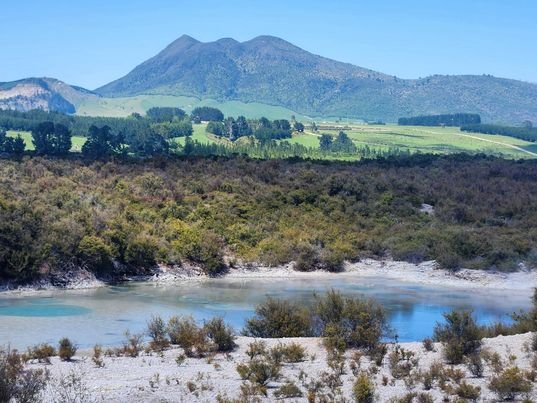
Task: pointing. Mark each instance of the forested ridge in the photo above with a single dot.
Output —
(125, 216)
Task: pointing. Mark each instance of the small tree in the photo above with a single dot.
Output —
(325, 142)
(363, 389)
(220, 334)
(460, 334)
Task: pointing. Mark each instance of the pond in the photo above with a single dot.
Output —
(103, 315)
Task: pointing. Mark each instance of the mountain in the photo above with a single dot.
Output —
(48, 94)
(272, 71)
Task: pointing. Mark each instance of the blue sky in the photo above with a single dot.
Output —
(90, 43)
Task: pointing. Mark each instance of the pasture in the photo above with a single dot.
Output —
(422, 139)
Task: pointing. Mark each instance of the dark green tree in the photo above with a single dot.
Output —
(208, 114)
(299, 127)
(42, 138)
(62, 140)
(165, 114)
(51, 139)
(325, 142)
(101, 143)
(343, 144)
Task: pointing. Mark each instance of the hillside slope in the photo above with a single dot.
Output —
(48, 94)
(272, 71)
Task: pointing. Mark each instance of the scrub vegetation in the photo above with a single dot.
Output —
(125, 217)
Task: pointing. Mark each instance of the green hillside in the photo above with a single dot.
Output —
(271, 71)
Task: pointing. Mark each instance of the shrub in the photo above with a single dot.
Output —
(460, 334)
(510, 383)
(97, 357)
(474, 363)
(41, 352)
(276, 318)
(287, 391)
(359, 321)
(363, 389)
(428, 344)
(256, 348)
(185, 333)
(66, 349)
(17, 383)
(467, 391)
(141, 252)
(292, 352)
(94, 252)
(220, 334)
(260, 371)
(132, 345)
(156, 329)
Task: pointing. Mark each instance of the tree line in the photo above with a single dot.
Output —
(262, 129)
(455, 119)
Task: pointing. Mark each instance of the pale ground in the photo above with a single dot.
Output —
(154, 378)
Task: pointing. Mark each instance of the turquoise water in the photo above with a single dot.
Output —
(102, 315)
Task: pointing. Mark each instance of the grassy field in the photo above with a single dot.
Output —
(415, 138)
(120, 107)
(78, 141)
(428, 140)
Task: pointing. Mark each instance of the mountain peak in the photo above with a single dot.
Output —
(270, 70)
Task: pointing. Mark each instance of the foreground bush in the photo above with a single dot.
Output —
(363, 389)
(359, 322)
(16, 382)
(156, 329)
(220, 334)
(344, 321)
(279, 318)
(66, 349)
(41, 352)
(510, 383)
(460, 334)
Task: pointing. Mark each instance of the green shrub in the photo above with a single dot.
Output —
(141, 252)
(220, 334)
(279, 318)
(288, 390)
(363, 389)
(188, 335)
(292, 352)
(66, 349)
(510, 383)
(256, 348)
(156, 329)
(360, 322)
(466, 391)
(94, 252)
(460, 334)
(260, 371)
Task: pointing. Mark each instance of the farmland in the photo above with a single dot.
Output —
(421, 139)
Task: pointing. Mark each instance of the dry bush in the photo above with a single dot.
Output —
(66, 349)
(510, 383)
(17, 383)
(41, 352)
